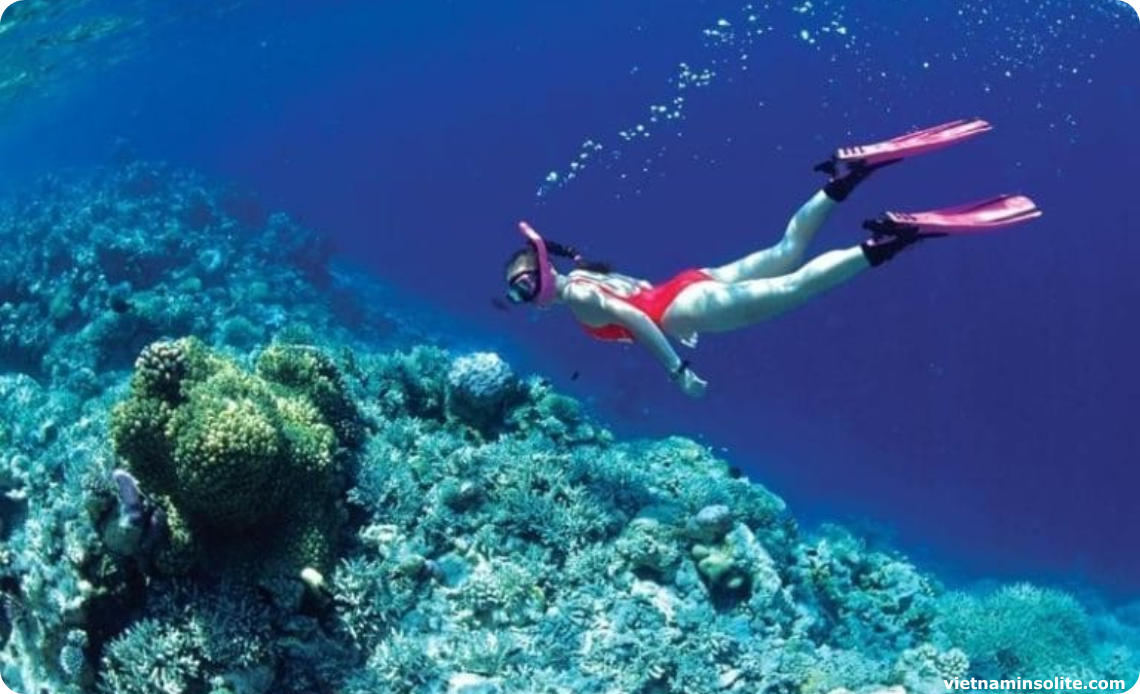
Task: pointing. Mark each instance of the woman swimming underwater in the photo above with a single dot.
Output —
(612, 306)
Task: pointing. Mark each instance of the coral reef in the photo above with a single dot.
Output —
(95, 269)
(274, 502)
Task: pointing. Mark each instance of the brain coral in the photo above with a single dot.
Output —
(480, 388)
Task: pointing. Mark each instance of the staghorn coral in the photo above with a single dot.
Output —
(398, 665)
(1019, 630)
(150, 657)
(551, 414)
(192, 637)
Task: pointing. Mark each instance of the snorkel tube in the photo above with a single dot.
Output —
(546, 283)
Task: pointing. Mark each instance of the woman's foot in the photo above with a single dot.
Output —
(845, 176)
(889, 238)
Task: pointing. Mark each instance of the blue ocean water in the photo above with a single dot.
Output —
(975, 398)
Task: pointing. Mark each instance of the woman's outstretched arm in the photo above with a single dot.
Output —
(648, 334)
(603, 308)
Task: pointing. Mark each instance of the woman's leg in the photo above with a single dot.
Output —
(715, 307)
(786, 255)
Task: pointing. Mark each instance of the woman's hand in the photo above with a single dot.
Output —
(691, 384)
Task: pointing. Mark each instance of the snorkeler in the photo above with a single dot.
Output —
(612, 306)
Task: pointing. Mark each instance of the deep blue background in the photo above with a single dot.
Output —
(976, 397)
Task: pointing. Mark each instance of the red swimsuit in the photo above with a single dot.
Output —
(653, 302)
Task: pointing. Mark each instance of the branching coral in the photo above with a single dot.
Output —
(188, 637)
(398, 665)
(1019, 630)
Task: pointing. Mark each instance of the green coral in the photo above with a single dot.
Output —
(313, 373)
(235, 458)
(718, 565)
(737, 567)
(161, 368)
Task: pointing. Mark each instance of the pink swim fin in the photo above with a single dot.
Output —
(994, 213)
(912, 144)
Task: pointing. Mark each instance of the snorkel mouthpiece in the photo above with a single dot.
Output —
(546, 284)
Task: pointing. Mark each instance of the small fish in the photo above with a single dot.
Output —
(574, 376)
(498, 303)
(119, 304)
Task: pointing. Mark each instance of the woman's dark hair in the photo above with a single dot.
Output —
(561, 251)
(580, 262)
(527, 251)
